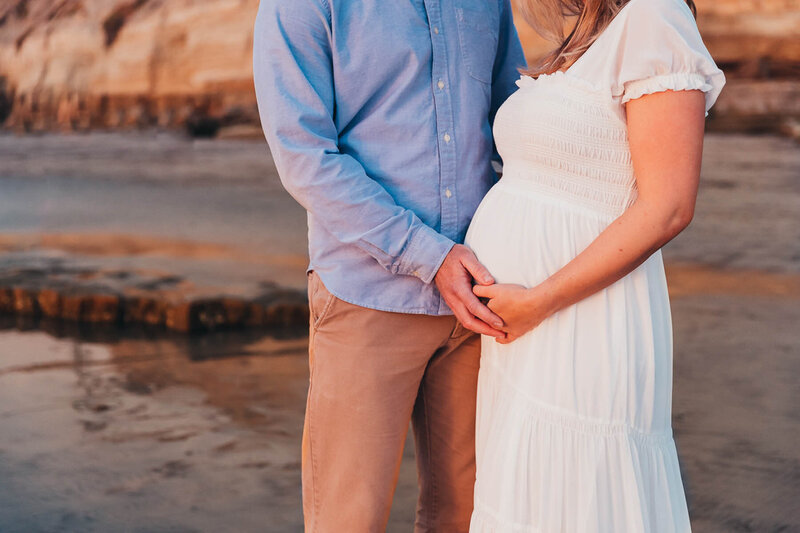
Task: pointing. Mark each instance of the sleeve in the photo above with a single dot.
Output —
(293, 76)
(510, 58)
(661, 50)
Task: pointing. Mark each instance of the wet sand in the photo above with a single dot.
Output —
(149, 435)
(141, 431)
(156, 435)
(202, 434)
(144, 201)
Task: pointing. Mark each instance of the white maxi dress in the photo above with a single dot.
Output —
(573, 429)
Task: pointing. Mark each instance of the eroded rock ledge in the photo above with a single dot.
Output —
(55, 289)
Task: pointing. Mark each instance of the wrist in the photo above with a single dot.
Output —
(442, 260)
(543, 298)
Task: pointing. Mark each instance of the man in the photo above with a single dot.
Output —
(378, 114)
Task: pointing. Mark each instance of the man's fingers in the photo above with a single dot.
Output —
(476, 269)
(476, 308)
(471, 323)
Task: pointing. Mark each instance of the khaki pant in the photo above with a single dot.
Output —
(372, 372)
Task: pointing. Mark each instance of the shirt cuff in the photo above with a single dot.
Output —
(425, 254)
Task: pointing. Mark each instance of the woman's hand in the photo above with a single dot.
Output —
(521, 309)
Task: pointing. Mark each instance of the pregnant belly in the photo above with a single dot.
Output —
(524, 239)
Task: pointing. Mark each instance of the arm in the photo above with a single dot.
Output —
(665, 131)
(293, 74)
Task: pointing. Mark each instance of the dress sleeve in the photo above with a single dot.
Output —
(660, 49)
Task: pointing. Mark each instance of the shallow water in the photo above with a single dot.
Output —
(161, 186)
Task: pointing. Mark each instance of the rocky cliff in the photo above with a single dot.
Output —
(79, 64)
(82, 64)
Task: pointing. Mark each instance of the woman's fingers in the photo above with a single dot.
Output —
(509, 338)
(484, 291)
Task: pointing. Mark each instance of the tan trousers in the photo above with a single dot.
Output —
(372, 372)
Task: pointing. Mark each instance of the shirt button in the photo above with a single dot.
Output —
(440, 84)
(436, 30)
(446, 137)
(416, 273)
(448, 193)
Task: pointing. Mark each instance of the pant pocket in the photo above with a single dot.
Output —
(320, 299)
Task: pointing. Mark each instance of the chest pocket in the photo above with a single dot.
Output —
(477, 35)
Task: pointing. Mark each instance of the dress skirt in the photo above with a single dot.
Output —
(573, 428)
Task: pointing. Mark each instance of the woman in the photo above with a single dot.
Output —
(601, 148)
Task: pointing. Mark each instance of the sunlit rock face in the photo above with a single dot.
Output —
(81, 64)
(757, 43)
(77, 64)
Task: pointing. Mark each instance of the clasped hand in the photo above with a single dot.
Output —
(521, 309)
(512, 310)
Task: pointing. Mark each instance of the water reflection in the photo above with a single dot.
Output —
(134, 434)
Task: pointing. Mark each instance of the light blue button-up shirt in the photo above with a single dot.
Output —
(379, 117)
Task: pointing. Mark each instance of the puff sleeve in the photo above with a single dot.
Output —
(660, 49)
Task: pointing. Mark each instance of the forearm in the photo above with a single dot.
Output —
(615, 253)
(358, 211)
(666, 137)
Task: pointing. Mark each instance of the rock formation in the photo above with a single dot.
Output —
(81, 64)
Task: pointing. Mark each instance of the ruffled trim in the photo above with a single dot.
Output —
(678, 81)
(528, 81)
(559, 75)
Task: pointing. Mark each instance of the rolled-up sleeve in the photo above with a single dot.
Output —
(293, 75)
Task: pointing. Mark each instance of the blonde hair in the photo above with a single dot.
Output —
(549, 18)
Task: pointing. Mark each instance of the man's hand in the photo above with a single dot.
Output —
(454, 281)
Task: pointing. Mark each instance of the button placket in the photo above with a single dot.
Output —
(444, 121)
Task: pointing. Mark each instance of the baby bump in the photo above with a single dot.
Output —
(495, 237)
(523, 240)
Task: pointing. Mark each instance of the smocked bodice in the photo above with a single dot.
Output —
(565, 141)
(564, 135)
